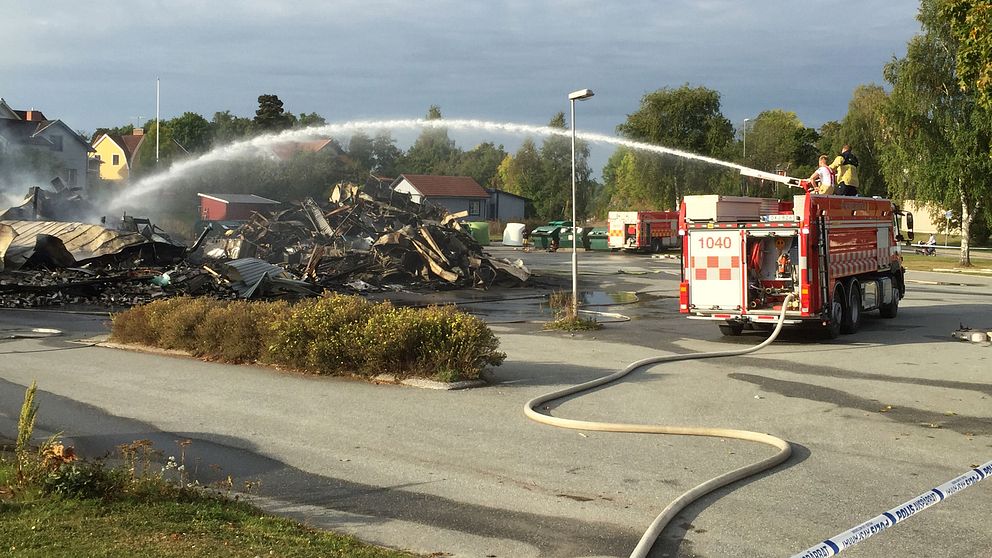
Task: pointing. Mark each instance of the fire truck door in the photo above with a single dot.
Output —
(716, 269)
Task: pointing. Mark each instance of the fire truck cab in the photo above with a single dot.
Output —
(840, 256)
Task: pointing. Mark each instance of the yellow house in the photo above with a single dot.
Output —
(117, 154)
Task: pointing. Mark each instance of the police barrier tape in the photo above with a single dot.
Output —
(877, 524)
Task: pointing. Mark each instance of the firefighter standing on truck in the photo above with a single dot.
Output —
(846, 167)
(823, 177)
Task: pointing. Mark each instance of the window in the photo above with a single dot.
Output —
(117, 160)
(57, 143)
(474, 207)
(71, 175)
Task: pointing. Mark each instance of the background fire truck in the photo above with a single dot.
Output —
(839, 256)
(646, 231)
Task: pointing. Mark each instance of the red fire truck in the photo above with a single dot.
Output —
(839, 256)
(645, 231)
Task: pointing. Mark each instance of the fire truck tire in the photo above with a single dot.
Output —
(731, 330)
(889, 310)
(854, 310)
(838, 313)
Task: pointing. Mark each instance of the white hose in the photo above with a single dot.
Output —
(658, 525)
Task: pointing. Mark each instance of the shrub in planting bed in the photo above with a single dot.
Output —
(335, 334)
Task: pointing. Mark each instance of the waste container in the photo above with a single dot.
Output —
(513, 234)
(479, 231)
(599, 239)
(541, 236)
(583, 239)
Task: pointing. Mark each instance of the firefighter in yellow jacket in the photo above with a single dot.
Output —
(846, 167)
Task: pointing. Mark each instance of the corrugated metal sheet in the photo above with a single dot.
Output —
(82, 240)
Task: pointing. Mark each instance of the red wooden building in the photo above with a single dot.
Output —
(232, 207)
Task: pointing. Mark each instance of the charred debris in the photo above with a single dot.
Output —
(363, 239)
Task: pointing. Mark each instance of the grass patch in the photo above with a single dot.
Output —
(53, 504)
(565, 320)
(919, 262)
(111, 514)
(333, 335)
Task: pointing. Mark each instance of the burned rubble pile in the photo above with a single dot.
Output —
(365, 239)
(368, 238)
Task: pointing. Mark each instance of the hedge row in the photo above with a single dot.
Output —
(336, 334)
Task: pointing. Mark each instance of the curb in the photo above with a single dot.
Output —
(101, 341)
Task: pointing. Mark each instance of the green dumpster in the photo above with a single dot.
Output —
(479, 231)
(599, 239)
(541, 236)
(583, 239)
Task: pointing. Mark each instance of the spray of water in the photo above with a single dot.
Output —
(262, 147)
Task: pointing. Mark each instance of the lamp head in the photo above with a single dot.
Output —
(580, 94)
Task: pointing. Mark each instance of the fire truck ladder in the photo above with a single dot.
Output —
(822, 254)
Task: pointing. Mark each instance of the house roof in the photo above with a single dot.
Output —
(22, 132)
(433, 186)
(131, 144)
(505, 193)
(237, 198)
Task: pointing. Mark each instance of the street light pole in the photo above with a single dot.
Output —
(579, 95)
(744, 159)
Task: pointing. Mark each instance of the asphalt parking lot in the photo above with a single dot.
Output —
(875, 419)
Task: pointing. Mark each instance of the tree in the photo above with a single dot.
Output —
(313, 119)
(971, 27)
(938, 135)
(270, 116)
(862, 130)
(385, 154)
(360, 151)
(227, 128)
(482, 164)
(520, 173)
(553, 198)
(433, 152)
(192, 131)
(118, 131)
(687, 118)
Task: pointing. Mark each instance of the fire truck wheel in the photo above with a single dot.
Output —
(837, 313)
(852, 316)
(731, 329)
(890, 309)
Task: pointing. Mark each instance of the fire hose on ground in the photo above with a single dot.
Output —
(829, 547)
(658, 525)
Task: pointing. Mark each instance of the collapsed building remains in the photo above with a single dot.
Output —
(363, 239)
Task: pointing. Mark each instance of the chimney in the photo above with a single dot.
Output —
(33, 115)
(138, 132)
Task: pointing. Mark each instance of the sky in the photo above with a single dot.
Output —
(94, 64)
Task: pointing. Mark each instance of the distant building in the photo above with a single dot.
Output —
(232, 207)
(116, 154)
(30, 129)
(506, 207)
(454, 193)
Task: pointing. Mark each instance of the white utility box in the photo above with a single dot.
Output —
(722, 208)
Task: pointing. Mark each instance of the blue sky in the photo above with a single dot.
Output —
(95, 63)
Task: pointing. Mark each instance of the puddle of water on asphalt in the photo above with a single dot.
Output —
(607, 298)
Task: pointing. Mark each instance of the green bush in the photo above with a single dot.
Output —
(335, 334)
(84, 479)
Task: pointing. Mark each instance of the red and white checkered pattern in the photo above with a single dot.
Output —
(715, 268)
(852, 263)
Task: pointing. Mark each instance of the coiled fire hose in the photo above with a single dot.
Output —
(658, 525)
